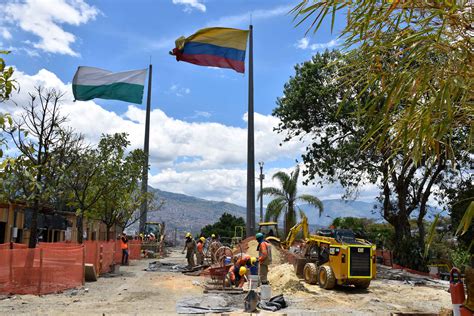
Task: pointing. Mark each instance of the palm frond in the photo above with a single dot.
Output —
(283, 177)
(292, 185)
(274, 209)
(466, 220)
(429, 239)
(312, 200)
(270, 191)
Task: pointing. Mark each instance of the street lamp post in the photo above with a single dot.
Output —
(262, 176)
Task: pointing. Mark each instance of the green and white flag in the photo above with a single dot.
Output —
(90, 83)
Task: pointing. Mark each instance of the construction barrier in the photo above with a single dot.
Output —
(134, 250)
(41, 270)
(385, 255)
(55, 267)
(13, 245)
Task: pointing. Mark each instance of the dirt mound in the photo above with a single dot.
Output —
(283, 279)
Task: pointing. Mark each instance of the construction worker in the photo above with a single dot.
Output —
(190, 247)
(200, 251)
(245, 261)
(264, 257)
(124, 247)
(236, 276)
(215, 244)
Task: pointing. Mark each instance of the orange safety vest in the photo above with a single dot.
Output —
(123, 244)
(264, 253)
(200, 247)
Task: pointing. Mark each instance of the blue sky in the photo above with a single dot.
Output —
(198, 120)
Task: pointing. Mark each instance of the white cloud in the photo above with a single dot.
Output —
(179, 91)
(204, 159)
(190, 5)
(304, 44)
(44, 19)
(244, 19)
(202, 114)
(5, 33)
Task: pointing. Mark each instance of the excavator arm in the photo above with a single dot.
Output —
(303, 225)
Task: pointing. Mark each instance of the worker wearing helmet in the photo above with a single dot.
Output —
(200, 251)
(213, 247)
(244, 260)
(190, 247)
(237, 276)
(264, 257)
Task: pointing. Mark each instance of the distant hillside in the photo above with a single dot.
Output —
(340, 208)
(188, 213)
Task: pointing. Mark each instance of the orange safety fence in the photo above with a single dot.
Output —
(108, 252)
(134, 250)
(54, 267)
(386, 256)
(41, 270)
(13, 246)
(92, 255)
(57, 245)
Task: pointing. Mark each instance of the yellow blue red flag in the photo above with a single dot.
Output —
(216, 47)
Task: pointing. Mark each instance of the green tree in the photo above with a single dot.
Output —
(380, 234)
(429, 68)
(460, 198)
(7, 84)
(224, 227)
(83, 185)
(286, 197)
(314, 108)
(119, 176)
(38, 135)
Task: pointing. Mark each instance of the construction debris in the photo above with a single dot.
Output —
(212, 303)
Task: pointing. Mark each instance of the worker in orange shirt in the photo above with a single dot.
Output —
(264, 257)
(200, 251)
(244, 260)
(124, 246)
(236, 276)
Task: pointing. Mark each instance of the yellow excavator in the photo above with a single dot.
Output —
(333, 256)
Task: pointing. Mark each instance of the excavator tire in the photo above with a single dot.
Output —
(326, 278)
(362, 284)
(310, 273)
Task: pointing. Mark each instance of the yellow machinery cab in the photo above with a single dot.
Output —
(270, 230)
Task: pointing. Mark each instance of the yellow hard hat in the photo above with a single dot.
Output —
(188, 235)
(242, 271)
(202, 239)
(213, 236)
(253, 260)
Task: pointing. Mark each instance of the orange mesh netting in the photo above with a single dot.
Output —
(134, 250)
(41, 270)
(108, 252)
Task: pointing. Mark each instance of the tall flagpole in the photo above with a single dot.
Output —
(146, 150)
(250, 226)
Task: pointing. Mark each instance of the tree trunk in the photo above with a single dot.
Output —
(109, 233)
(421, 228)
(290, 220)
(34, 225)
(80, 227)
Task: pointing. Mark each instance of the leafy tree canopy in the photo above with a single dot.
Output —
(224, 227)
(418, 53)
(314, 108)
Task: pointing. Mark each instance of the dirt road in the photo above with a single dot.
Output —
(137, 292)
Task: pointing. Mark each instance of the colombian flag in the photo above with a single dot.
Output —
(216, 47)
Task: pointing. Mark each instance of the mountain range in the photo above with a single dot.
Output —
(187, 213)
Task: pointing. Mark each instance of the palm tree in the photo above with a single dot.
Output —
(286, 198)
